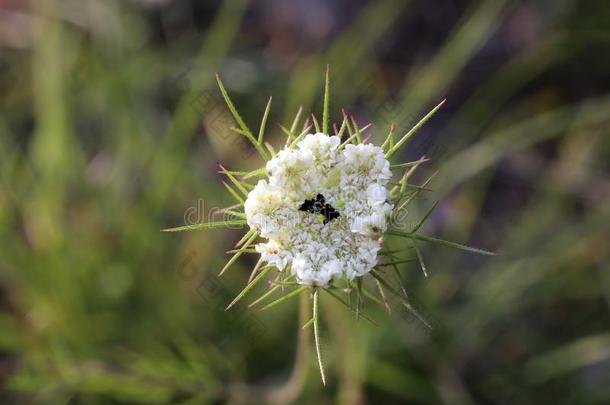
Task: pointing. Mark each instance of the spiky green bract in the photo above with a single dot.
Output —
(238, 254)
(242, 125)
(248, 287)
(440, 242)
(207, 225)
(261, 131)
(283, 298)
(412, 131)
(325, 112)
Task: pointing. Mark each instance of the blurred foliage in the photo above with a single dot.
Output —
(110, 129)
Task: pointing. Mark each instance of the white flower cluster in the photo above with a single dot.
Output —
(352, 182)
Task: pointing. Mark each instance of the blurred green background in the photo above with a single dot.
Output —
(110, 129)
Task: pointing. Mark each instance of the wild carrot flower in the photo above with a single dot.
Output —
(320, 210)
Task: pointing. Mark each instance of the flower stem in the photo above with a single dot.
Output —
(288, 392)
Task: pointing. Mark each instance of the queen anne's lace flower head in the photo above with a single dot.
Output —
(314, 246)
(322, 211)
